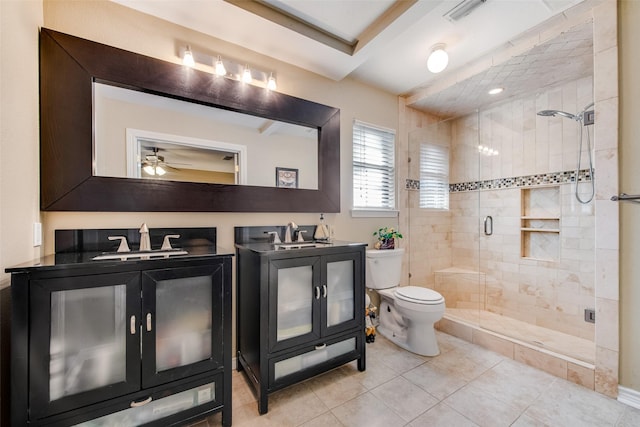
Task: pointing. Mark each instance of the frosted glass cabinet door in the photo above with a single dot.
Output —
(294, 296)
(87, 349)
(90, 337)
(342, 276)
(182, 322)
(340, 292)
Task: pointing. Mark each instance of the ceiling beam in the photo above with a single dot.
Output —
(299, 25)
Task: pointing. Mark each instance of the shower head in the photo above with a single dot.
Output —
(553, 113)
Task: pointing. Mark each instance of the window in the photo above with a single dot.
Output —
(373, 168)
(434, 176)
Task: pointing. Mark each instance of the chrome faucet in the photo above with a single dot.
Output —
(287, 234)
(145, 242)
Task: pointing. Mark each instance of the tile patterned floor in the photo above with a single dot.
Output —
(466, 385)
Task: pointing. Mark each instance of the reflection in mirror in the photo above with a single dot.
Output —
(140, 135)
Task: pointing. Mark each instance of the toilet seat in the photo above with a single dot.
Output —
(418, 295)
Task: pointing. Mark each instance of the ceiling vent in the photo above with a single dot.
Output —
(463, 9)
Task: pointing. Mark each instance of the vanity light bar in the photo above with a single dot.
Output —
(229, 69)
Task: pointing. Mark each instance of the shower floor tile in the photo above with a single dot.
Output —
(537, 336)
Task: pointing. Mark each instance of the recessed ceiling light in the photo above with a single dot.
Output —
(496, 90)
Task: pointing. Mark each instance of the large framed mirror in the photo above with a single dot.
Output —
(72, 68)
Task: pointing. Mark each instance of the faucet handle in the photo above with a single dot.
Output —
(276, 237)
(166, 243)
(300, 236)
(124, 247)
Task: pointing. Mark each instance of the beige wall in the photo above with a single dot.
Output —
(19, 200)
(629, 75)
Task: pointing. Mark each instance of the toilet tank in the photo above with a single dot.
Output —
(384, 268)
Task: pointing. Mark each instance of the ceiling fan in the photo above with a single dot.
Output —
(154, 164)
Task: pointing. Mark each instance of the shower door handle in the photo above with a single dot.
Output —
(488, 225)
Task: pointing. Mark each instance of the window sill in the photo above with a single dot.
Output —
(373, 213)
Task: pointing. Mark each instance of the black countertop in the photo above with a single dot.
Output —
(84, 259)
(271, 248)
(76, 248)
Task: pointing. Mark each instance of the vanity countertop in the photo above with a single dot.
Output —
(84, 259)
(76, 248)
(299, 247)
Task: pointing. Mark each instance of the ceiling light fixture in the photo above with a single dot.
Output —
(496, 90)
(187, 59)
(438, 59)
(219, 66)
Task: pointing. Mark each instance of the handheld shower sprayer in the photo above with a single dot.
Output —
(580, 118)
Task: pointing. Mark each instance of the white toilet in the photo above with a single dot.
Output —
(407, 313)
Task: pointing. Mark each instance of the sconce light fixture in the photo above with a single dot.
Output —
(230, 69)
(187, 58)
(438, 59)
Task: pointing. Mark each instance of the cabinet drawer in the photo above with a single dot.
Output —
(309, 361)
(164, 407)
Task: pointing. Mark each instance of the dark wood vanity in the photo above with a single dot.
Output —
(141, 341)
(300, 310)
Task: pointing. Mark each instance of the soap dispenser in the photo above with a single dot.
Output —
(322, 230)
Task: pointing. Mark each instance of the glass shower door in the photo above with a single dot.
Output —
(444, 214)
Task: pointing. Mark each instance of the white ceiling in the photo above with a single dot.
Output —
(390, 49)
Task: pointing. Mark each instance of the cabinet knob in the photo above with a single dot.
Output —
(317, 292)
(148, 322)
(324, 291)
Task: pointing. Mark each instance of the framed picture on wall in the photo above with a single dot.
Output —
(286, 177)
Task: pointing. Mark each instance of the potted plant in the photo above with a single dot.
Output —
(387, 238)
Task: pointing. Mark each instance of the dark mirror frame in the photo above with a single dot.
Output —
(68, 67)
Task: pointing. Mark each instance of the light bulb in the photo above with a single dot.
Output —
(220, 70)
(160, 170)
(438, 59)
(149, 170)
(246, 75)
(271, 83)
(187, 59)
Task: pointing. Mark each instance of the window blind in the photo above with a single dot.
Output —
(434, 176)
(373, 167)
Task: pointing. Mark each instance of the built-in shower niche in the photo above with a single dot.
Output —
(540, 223)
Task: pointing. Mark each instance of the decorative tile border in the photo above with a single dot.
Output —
(522, 181)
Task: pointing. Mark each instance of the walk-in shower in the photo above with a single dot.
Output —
(530, 280)
(584, 119)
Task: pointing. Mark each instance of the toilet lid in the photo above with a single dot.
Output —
(418, 295)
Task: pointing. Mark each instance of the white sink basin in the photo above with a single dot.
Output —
(140, 255)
